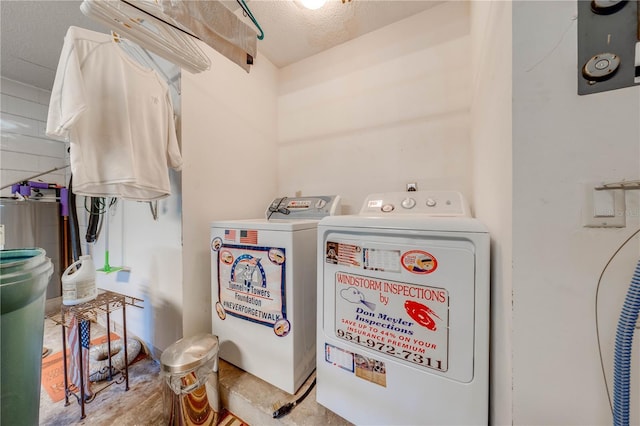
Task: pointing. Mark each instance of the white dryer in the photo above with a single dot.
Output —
(403, 312)
(263, 274)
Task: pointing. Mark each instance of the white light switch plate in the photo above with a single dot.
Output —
(603, 209)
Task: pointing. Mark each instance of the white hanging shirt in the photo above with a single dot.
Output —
(118, 118)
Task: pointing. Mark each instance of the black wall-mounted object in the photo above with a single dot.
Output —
(608, 32)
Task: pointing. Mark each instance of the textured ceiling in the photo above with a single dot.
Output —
(31, 36)
(32, 32)
(293, 33)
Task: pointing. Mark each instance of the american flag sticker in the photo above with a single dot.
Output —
(78, 333)
(249, 236)
(230, 235)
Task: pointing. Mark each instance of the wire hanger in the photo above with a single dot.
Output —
(145, 58)
(145, 24)
(247, 12)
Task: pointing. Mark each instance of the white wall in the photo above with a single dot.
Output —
(25, 150)
(230, 163)
(491, 144)
(382, 110)
(152, 251)
(561, 139)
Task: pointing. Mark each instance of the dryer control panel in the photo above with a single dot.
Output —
(313, 207)
(432, 203)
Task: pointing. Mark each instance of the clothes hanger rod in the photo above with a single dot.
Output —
(35, 176)
(247, 11)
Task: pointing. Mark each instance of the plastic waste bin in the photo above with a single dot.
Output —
(24, 276)
(191, 395)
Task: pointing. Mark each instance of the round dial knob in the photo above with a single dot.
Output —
(607, 7)
(387, 208)
(431, 202)
(408, 203)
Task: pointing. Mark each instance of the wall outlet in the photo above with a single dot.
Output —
(412, 186)
(603, 208)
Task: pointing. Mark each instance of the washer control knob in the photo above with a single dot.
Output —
(321, 203)
(431, 202)
(408, 203)
(387, 208)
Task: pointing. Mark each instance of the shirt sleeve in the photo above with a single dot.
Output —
(174, 158)
(68, 94)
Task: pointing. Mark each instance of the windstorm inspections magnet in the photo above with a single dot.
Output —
(406, 321)
(251, 286)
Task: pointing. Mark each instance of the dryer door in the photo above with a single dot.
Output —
(406, 298)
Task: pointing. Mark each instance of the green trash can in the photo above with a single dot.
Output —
(24, 276)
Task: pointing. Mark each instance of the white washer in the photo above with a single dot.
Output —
(403, 312)
(263, 274)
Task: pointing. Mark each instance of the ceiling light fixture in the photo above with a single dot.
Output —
(313, 4)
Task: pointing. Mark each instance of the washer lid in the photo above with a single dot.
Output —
(264, 224)
(189, 353)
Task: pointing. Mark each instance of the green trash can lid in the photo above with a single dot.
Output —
(189, 353)
(10, 256)
(22, 264)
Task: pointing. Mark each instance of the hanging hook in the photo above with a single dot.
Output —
(248, 13)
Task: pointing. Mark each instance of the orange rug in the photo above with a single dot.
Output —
(53, 370)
